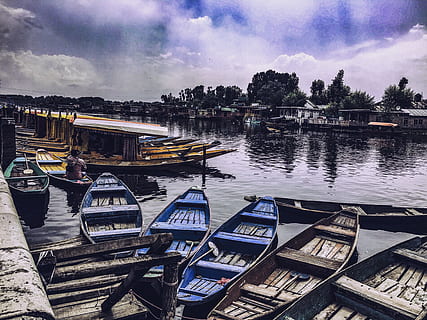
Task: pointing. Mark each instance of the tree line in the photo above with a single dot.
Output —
(282, 89)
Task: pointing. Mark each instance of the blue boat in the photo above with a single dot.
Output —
(188, 219)
(109, 211)
(231, 250)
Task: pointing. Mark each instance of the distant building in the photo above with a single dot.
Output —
(303, 114)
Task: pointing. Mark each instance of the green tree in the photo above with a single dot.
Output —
(231, 93)
(358, 100)
(398, 96)
(295, 98)
(271, 87)
(318, 92)
(337, 90)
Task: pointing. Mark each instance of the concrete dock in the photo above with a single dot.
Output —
(22, 292)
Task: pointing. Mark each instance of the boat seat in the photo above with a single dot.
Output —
(178, 226)
(243, 238)
(108, 189)
(311, 264)
(56, 172)
(117, 232)
(396, 307)
(257, 215)
(191, 203)
(412, 256)
(336, 230)
(220, 266)
(50, 161)
(110, 209)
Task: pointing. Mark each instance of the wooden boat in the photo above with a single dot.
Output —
(291, 270)
(55, 168)
(180, 149)
(116, 163)
(385, 217)
(188, 219)
(389, 285)
(109, 211)
(25, 178)
(231, 250)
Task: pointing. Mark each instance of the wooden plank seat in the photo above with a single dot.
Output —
(201, 286)
(116, 232)
(56, 172)
(268, 294)
(313, 264)
(412, 256)
(53, 161)
(243, 238)
(191, 203)
(336, 230)
(178, 226)
(220, 266)
(257, 215)
(108, 189)
(393, 306)
(110, 209)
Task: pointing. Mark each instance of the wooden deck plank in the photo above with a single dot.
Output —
(336, 230)
(327, 312)
(393, 305)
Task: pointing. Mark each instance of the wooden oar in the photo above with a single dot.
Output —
(27, 171)
(213, 248)
(295, 276)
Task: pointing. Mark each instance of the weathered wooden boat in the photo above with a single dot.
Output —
(231, 250)
(389, 285)
(291, 270)
(151, 140)
(372, 216)
(26, 179)
(188, 219)
(116, 163)
(55, 168)
(109, 211)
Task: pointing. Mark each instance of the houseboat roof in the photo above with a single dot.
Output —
(121, 126)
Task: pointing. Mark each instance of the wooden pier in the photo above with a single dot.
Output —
(88, 281)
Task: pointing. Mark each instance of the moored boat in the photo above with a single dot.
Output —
(188, 219)
(55, 168)
(116, 163)
(389, 285)
(29, 187)
(228, 252)
(372, 216)
(109, 211)
(292, 270)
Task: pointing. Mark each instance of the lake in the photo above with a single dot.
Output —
(302, 165)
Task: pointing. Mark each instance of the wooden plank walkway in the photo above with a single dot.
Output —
(86, 281)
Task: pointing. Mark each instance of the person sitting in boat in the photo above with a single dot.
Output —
(75, 166)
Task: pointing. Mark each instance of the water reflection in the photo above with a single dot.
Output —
(32, 211)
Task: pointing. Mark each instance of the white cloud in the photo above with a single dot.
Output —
(53, 74)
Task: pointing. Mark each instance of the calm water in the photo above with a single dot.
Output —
(316, 166)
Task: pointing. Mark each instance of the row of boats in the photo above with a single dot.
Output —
(238, 272)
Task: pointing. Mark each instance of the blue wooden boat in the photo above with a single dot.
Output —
(231, 250)
(188, 219)
(109, 211)
(389, 285)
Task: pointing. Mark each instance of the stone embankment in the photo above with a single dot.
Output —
(22, 295)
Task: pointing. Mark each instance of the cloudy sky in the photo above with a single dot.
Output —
(141, 49)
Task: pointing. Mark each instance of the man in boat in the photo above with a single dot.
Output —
(75, 166)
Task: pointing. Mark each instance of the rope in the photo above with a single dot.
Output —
(169, 284)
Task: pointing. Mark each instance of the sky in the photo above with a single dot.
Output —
(141, 49)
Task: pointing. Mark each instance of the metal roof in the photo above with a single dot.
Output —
(416, 112)
(120, 126)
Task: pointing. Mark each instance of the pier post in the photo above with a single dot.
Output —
(7, 141)
(169, 291)
(22, 292)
